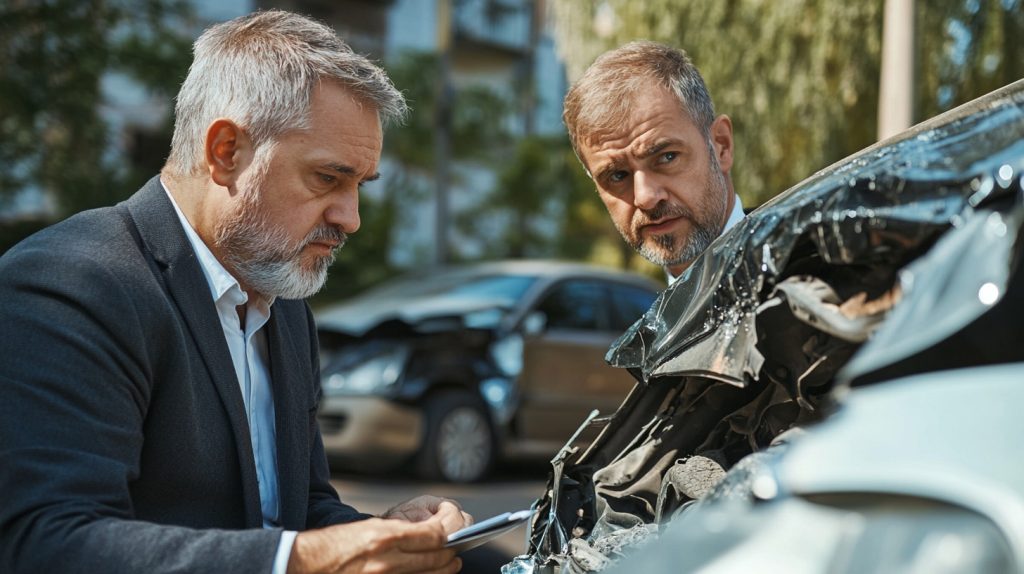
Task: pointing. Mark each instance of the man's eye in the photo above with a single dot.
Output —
(328, 179)
(618, 176)
(668, 156)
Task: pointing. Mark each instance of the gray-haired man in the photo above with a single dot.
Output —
(158, 377)
(643, 124)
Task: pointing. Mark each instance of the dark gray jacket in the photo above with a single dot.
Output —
(124, 445)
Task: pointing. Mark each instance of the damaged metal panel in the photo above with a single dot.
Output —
(889, 486)
(907, 245)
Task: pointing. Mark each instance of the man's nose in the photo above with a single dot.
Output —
(647, 190)
(343, 213)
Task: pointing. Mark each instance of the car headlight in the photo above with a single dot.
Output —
(370, 375)
(507, 353)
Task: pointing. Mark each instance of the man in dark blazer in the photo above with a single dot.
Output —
(158, 369)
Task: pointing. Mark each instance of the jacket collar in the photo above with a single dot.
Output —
(163, 236)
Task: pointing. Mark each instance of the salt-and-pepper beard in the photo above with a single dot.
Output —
(262, 255)
(714, 201)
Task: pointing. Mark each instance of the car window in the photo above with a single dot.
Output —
(577, 305)
(507, 289)
(629, 304)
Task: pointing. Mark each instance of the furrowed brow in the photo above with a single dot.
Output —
(655, 148)
(606, 170)
(350, 171)
(341, 168)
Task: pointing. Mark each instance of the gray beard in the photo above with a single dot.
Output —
(703, 233)
(698, 241)
(262, 256)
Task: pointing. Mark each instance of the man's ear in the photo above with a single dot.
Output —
(721, 136)
(228, 151)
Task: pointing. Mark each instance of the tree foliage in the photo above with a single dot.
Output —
(53, 57)
(966, 48)
(477, 132)
(799, 78)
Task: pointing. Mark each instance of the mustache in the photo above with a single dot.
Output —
(662, 210)
(327, 233)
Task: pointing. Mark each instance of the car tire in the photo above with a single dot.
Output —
(458, 444)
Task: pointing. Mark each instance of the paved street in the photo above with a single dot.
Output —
(513, 487)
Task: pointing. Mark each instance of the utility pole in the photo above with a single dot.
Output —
(896, 88)
(529, 75)
(527, 96)
(442, 130)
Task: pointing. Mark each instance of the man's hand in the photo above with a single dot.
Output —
(375, 545)
(425, 507)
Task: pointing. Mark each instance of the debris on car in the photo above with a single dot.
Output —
(910, 245)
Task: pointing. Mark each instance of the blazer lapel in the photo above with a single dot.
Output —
(290, 401)
(160, 230)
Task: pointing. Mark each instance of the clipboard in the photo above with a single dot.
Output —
(486, 530)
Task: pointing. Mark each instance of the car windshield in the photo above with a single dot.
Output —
(504, 289)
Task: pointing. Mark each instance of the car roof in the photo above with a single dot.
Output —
(548, 268)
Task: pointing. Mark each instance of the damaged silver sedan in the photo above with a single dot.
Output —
(902, 259)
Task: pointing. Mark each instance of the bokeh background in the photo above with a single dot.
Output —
(482, 169)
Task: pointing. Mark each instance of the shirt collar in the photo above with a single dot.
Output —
(221, 283)
(734, 217)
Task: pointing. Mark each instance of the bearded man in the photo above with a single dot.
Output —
(158, 369)
(642, 123)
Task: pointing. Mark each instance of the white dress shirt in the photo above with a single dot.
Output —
(251, 359)
(734, 218)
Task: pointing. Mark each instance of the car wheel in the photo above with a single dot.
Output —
(458, 442)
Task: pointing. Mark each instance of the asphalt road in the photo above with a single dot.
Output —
(511, 487)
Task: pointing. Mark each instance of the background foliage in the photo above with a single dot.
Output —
(799, 78)
(53, 56)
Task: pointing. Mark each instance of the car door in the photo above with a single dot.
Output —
(564, 373)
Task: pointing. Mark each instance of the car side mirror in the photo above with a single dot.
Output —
(534, 323)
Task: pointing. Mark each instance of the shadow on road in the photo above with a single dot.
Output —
(486, 559)
(518, 471)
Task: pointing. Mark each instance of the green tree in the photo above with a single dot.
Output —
(477, 130)
(53, 58)
(966, 49)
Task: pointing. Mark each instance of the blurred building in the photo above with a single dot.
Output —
(506, 46)
(498, 43)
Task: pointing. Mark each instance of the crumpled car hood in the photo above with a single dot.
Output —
(943, 498)
(872, 268)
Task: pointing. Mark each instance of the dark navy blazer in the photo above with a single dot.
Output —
(124, 445)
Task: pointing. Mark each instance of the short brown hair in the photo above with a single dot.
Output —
(603, 97)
